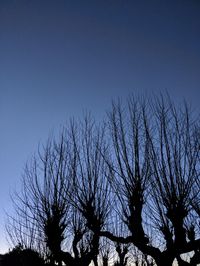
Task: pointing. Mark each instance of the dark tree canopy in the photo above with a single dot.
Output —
(22, 257)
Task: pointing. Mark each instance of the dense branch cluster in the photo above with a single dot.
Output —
(125, 192)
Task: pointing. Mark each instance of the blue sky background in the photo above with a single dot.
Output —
(59, 57)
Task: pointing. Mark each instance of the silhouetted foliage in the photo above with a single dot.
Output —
(22, 257)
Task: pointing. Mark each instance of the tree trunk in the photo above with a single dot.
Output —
(165, 260)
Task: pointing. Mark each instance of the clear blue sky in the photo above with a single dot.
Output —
(58, 57)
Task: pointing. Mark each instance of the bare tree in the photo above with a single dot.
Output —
(175, 155)
(91, 196)
(105, 252)
(63, 190)
(42, 208)
(154, 167)
(134, 180)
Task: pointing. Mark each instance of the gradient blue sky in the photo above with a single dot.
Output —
(59, 57)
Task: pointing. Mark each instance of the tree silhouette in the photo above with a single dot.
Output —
(91, 188)
(62, 191)
(42, 208)
(22, 257)
(133, 179)
(154, 170)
